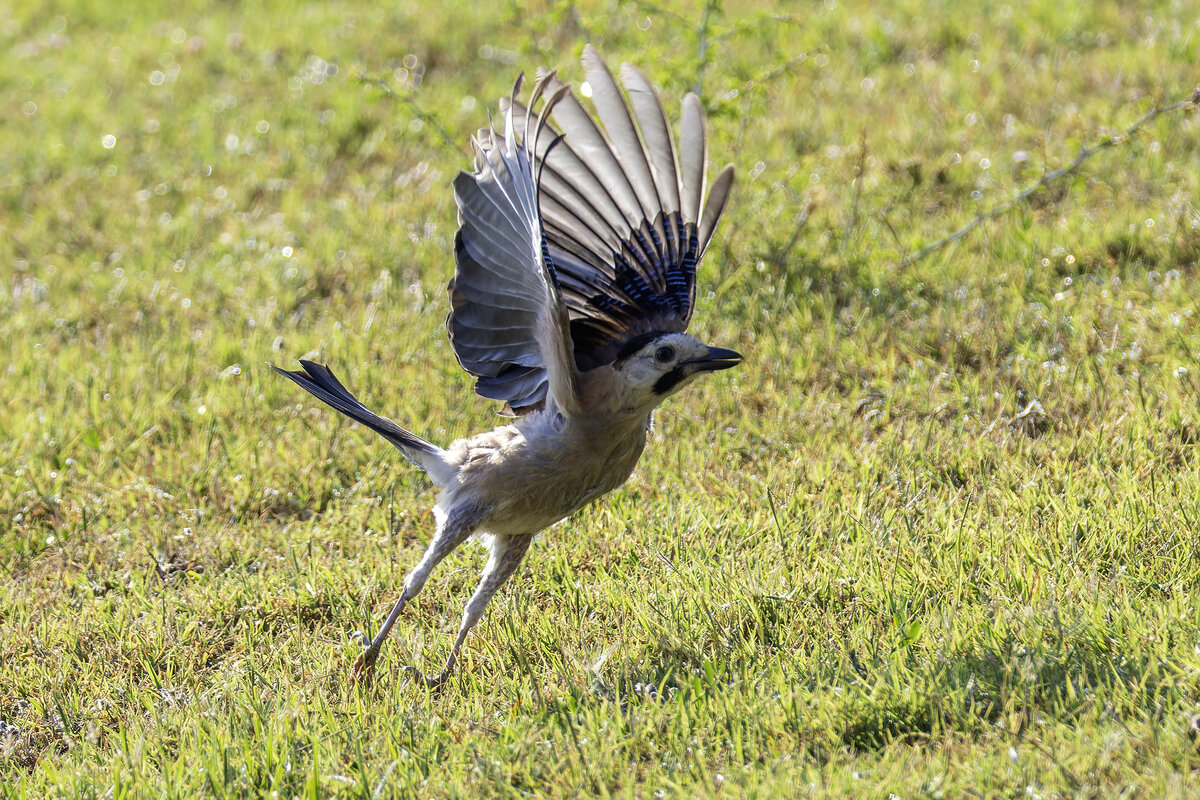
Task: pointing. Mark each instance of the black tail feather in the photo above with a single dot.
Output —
(319, 381)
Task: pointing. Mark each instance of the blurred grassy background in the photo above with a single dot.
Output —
(936, 538)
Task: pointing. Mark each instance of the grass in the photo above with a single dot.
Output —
(937, 538)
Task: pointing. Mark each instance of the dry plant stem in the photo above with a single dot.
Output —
(1023, 195)
(422, 114)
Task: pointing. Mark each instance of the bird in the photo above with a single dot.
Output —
(579, 238)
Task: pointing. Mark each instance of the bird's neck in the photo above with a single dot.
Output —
(605, 400)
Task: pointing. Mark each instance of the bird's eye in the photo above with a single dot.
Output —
(664, 354)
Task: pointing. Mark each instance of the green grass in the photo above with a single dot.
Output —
(864, 563)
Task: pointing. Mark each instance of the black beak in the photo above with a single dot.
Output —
(716, 358)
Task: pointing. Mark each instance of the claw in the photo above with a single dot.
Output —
(431, 682)
(364, 667)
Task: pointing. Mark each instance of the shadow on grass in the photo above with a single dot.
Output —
(836, 700)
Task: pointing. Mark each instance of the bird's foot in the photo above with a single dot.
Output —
(364, 666)
(430, 681)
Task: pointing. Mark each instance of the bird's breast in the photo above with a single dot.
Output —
(535, 475)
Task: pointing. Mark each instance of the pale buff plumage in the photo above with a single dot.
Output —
(569, 307)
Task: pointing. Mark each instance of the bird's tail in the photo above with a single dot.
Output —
(319, 381)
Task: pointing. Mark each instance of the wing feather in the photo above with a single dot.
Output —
(659, 146)
(578, 232)
(626, 144)
(693, 158)
(508, 323)
(714, 205)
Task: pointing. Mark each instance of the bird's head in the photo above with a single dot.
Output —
(653, 366)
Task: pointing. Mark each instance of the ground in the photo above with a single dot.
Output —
(936, 538)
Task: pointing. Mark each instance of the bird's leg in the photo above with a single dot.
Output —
(506, 556)
(456, 527)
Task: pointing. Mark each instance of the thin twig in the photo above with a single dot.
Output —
(1023, 195)
(860, 171)
(754, 25)
(653, 8)
(418, 112)
(773, 73)
(780, 256)
(702, 32)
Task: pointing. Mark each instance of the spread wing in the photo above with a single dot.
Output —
(625, 216)
(508, 324)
